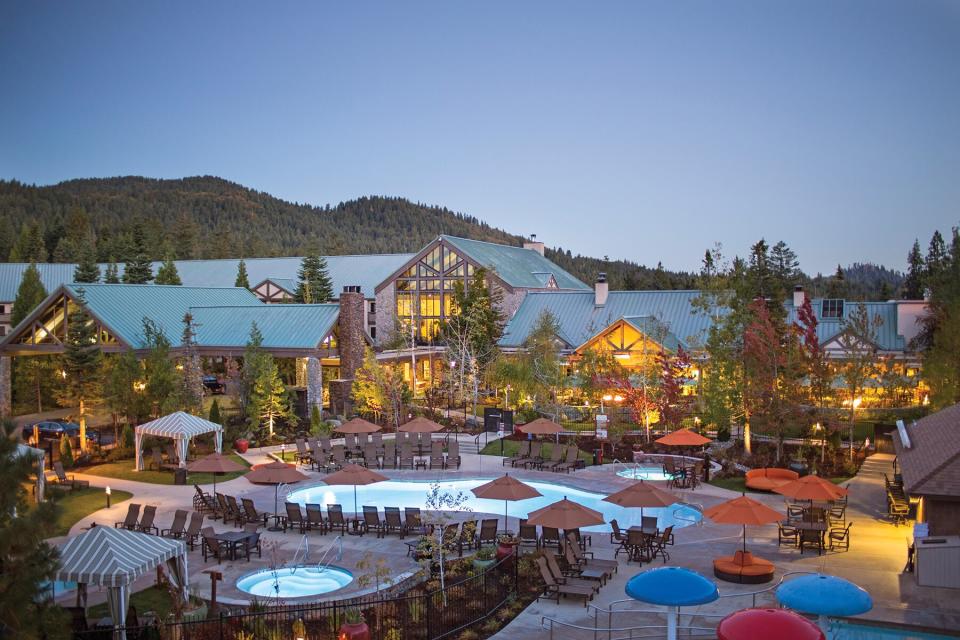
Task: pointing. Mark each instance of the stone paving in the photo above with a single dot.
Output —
(875, 559)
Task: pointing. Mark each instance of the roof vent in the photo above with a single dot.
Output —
(600, 290)
(533, 244)
(904, 436)
(798, 296)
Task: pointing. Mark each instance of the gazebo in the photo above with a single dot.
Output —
(41, 457)
(181, 427)
(115, 558)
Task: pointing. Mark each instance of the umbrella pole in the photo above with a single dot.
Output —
(504, 517)
(672, 618)
(744, 539)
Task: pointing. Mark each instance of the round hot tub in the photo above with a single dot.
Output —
(294, 582)
(656, 474)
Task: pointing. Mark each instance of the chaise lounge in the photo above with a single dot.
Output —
(744, 568)
(769, 478)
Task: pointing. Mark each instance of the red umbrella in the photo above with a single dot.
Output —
(642, 494)
(507, 489)
(811, 488)
(767, 623)
(354, 474)
(216, 464)
(565, 514)
(743, 511)
(357, 425)
(683, 438)
(421, 425)
(275, 473)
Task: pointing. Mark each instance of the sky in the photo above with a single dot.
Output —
(639, 130)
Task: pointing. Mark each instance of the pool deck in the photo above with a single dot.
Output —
(875, 560)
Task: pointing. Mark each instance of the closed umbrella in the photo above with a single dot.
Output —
(421, 425)
(642, 494)
(565, 514)
(507, 489)
(275, 473)
(354, 474)
(811, 488)
(217, 464)
(743, 511)
(683, 438)
(357, 425)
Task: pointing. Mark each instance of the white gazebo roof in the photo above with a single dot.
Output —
(178, 424)
(114, 557)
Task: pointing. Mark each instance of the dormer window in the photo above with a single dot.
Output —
(831, 308)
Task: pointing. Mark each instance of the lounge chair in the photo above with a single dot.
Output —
(556, 457)
(453, 454)
(335, 518)
(468, 537)
(377, 439)
(436, 456)
(63, 479)
(550, 537)
(586, 559)
(389, 455)
(130, 521)
(553, 589)
(192, 535)
(787, 533)
(338, 457)
(294, 517)
(211, 546)
(534, 455)
(350, 444)
(317, 454)
(583, 539)
(203, 501)
(239, 515)
(406, 456)
(371, 521)
(528, 536)
(250, 513)
(178, 526)
(315, 521)
(303, 454)
(370, 458)
(412, 522)
(392, 522)
(571, 460)
(571, 575)
(146, 520)
(522, 453)
(450, 536)
(488, 532)
(840, 537)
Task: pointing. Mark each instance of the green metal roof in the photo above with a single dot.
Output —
(122, 307)
(518, 267)
(284, 326)
(287, 284)
(888, 334)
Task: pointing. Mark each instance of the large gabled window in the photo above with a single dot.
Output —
(424, 292)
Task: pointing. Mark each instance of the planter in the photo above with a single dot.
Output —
(354, 631)
(241, 445)
(505, 549)
(481, 565)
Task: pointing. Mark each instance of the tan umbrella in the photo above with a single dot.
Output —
(683, 438)
(743, 511)
(354, 474)
(507, 489)
(421, 425)
(811, 488)
(642, 494)
(357, 425)
(217, 464)
(541, 427)
(275, 473)
(565, 514)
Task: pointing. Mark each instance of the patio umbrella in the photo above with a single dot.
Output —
(824, 595)
(217, 464)
(421, 425)
(811, 488)
(275, 473)
(642, 494)
(507, 489)
(672, 587)
(748, 624)
(683, 438)
(541, 427)
(357, 425)
(743, 511)
(565, 514)
(354, 474)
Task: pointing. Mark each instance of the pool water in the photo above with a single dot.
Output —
(413, 493)
(644, 473)
(844, 630)
(295, 582)
(58, 587)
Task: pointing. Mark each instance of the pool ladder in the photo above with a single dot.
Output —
(322, 565)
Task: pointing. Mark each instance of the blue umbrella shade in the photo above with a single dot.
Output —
(673, 587)
(824, 595)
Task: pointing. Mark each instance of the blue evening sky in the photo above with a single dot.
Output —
(643, 130)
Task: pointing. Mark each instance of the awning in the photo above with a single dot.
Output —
(181, 427)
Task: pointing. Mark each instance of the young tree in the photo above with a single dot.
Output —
(937, 258)
(242, 279)
(671, 403)
(112, 275)
(87, 269)
(214, 415)
(913, 283)
(379, 390)
(941, 331)
(138, 270)
(313, 281)
(191, 368)
(122, 388)
(858, 342)
(81, 362)
(30, 293)
(160, 374)
(167, 273)
(267, 400)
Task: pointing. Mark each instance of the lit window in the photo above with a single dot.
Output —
(831, 308)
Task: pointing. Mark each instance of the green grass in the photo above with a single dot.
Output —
(738, 484)
(79, 503)
(511, 447)
(150, 599)
(124, 470)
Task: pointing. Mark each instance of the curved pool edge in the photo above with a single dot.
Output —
(295, 598)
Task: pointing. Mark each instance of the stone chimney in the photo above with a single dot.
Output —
(351, 345)
(600, 290)
(533, 245)
(798, 296)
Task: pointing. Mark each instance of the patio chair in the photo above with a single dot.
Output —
(583, 539)
(616, 534)
(468, 537)
(315, 521)
(533, 456)
(412, 522)
(811, 538)
(637, 546)
(585, 558)
(453, 453)
(370, 456)
(303, 454)
(450, 536)
(406, 456)
(335, 518)
(571, 460)
(294, 517)
(250, 513)
(488, 531)
(145, 525)
(371, 521)
(178, 526)
(837, 513)
(553, 589)
(649, 524)
(253, 541)
(130, 521)
(203, 501)
(550, 536)
(192, 535)
(571, 575)
(211, 546)
(436, 456)
(239, 515)
(523, 452)
(658, 546)
(840, 537)
(528, 536)
(392, 522)
(63, 479)
(556, 457)
(787, 533)
(389, 455)
(795, 512)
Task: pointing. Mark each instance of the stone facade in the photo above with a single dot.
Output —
(386, 312)
(6, 399)
(352, 325)
(511, 302)
(341, 400)
(314, 383)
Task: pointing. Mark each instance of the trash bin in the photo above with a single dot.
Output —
(180, 476)
(597, 457)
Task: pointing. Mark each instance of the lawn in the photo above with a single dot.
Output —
(150, 599)
(511, 447)
(79, 503)
(738, 484)
(124, 470)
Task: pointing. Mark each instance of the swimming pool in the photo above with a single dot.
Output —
(644, 473)
(845, 630)
(413, 493)
(295, 582)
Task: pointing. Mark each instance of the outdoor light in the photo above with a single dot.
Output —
(107, 490)
(63, 374)
(856, 402)
(622, 356)
(618, 398)
(608, 397)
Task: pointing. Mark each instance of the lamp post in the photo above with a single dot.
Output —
(453, 365)
(107, 490)
(818, 428)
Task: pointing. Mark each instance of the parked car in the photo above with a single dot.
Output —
(56, 429)
(213, 385)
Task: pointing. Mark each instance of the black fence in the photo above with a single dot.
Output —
(429, 615)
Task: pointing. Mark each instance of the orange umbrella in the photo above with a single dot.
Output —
(541, 427)
(507, 489)
(683, 438)
(275, 473)
(216, 464)
(357, 425)
(565, 514)
(421, 425)
(354, 474)
(743, 511)
(642, 494)
(811, 488)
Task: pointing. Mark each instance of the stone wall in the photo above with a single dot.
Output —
(511, 302)
(386, 312)
(314, 384)
(351, 339)
(6, 398)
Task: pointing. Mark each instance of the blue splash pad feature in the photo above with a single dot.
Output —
(672, 587)
(824, 595)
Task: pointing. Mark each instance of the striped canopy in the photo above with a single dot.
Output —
(181, 426)
(114, 557)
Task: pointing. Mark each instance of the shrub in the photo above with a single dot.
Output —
(723, 433)
(469, 634)
(66, 452)
(126, 437)
(215, 412)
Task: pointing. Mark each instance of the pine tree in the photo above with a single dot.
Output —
(785, 266)
(838, 285)
(214, 416)
(82, 363)
(87, 269)
(913, 283)
(191, 370)
(138, 270)
(167, 273)
(242, 280)
(112, 276)
(314, 285)
(937, 258)
(267, 395)
(30, 293)
(29, 246)
(162, 382)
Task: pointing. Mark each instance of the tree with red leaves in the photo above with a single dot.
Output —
(813, 355)
(671, 404)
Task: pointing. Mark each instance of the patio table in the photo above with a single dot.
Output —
(234, 540)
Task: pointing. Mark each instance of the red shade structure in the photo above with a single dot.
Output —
(565, 514)
(743, 511)
(507, 489)
(683, 438)
(781, 624)
(357, 425)
(421, 425)
(811, 488)
(541, 427)
(642, 494)
(275, 473)
(354, 475)
(217, 464)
